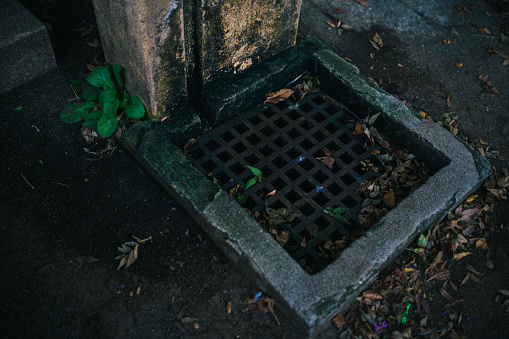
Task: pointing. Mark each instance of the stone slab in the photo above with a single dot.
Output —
(235, 34)
(25, 47)
(147, 39)
(313, 300)
(225, 99)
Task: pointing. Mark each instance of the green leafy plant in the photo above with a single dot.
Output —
(258, 178)
(310, 84)
(106, 101)
(336, 213)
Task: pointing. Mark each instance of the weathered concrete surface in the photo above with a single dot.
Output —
(314, 300)
(170, 48)
(147, 38)
(25, 48)
(236, 34)
(226, 99)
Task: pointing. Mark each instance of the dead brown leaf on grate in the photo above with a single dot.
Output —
(278, 96)
(327, 160)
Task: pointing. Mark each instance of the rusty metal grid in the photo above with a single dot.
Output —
(284, 142)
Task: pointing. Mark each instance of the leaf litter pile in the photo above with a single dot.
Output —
(397, 304)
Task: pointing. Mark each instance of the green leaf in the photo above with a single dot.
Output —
(19, 108)
(92, 119)
(422, 242)
(341, 218)
(125, 99)
(107, 125)
(340, 210)
(134, 108)
(108, 96)
(251, 182)
(76, 85)
(76, 112)
(255, 171)
(111, 107)
(90, 92)
(100, 77)
(242, 199)
(119, 72)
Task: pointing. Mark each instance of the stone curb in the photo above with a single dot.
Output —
(314, 299)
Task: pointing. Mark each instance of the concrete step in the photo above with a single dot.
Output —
(25, 47)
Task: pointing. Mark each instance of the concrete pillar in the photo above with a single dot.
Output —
(236, 34)
(171, 48)
(147, 38)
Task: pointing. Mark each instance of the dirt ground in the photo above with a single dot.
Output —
(63, 201)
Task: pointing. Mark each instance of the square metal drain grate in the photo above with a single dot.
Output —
(285, 141)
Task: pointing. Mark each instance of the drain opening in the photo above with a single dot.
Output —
(284, 143)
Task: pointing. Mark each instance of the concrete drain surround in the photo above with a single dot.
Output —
(311, 300)
(284, 142)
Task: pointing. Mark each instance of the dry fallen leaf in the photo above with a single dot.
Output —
(339, 320)
(275, 97)
(229, 307)
(390, 199)
(94, 44)
(376, 41)
(358, 129)
(328, 160)
(473, 270)
(362, 2)
(500, 194)
(86, 260)
(481, 243)
(465, 279)
(188, 320)
(458, 256)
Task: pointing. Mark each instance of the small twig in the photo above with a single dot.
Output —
(58, 183)
(485, 36)
(297, 78)
(434, 331)
(53, 265)
(27, 181)
(74, 92)
(275, 316)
